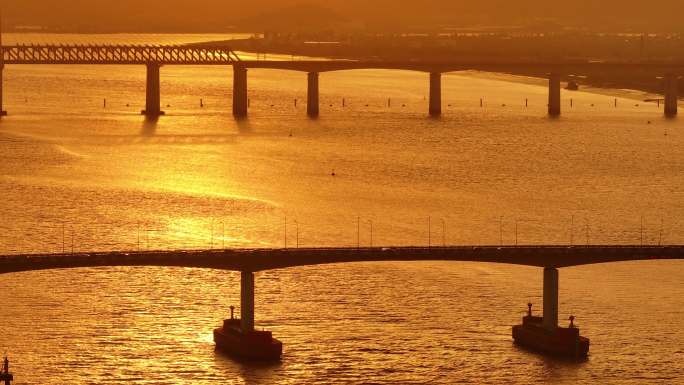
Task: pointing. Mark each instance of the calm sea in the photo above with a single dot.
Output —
(75, 174)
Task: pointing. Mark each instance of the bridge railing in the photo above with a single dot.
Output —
(117, 54)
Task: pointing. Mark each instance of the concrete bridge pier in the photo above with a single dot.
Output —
(247, 301)
(312, 101)
(240, 99)
(152, 92)
(671, 94)
(554, 94)
(550, 298)
(435, 93)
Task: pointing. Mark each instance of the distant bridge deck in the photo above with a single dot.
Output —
(204, 54)
(483, 64)
(268, 259)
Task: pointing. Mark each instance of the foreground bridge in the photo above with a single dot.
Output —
(249, 261)
(154, 57)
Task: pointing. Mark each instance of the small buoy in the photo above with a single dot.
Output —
(128, 105)
(290, 133)
(168, 105)
(333, 173)
(649, 122)
(503, 105)
(403, 105)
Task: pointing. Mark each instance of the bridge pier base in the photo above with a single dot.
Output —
(671, 94)
(2, 105)
(246, 301)
(313, 95)
(435, 94)
(240, 101)
(153, 92)
(554, 94)
(238, 337)
(550, 298)
(543, 334)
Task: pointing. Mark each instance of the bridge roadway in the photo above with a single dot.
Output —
(252, 260)
(482, 64)
(248, 261)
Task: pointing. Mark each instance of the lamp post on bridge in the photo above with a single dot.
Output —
(358, 232)
(297, 233)
(443, 232)
(429, 233)
(371, 233)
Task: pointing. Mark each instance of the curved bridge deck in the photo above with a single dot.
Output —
(252, 260)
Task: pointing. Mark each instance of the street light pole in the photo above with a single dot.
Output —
(443, 233)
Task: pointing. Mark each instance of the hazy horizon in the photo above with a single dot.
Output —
(227, 15)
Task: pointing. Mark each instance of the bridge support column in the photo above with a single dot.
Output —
(435, 94)
(554, 94)
(312, 101)
(152, 92)
(550, 298)
(671, 94)
(2, 105)
(240, 98)
(247, 301)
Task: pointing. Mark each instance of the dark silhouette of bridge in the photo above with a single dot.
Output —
(249, 261)
(156, 56)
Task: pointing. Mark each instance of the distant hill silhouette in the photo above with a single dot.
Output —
(255, 15)
(296, 18)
